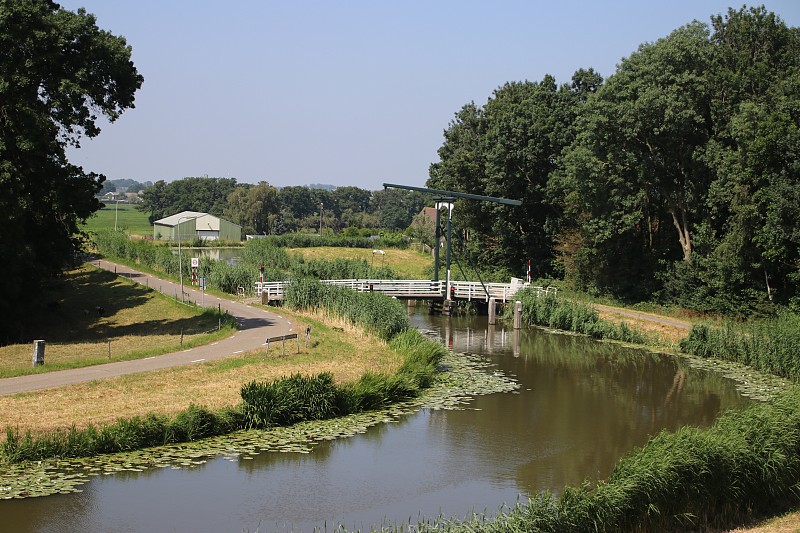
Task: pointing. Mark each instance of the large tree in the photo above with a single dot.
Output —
(508, 148)
(253, 207)
(58, 73)
(683, 177)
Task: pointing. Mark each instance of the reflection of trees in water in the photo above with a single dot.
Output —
(590, 403)
(322, 451)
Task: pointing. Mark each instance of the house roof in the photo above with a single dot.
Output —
(173, 220)
(203, 221)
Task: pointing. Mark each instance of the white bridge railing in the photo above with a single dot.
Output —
(418, 289)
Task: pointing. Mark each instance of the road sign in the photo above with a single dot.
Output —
(195, 262)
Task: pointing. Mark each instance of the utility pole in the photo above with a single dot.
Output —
(320, 219)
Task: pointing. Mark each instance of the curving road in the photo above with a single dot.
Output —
(255, 326)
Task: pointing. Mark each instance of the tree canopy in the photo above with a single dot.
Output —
(58, 74)
(675, 179)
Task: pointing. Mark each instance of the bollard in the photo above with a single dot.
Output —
(492, 311)
(38, 353)
(517, 315)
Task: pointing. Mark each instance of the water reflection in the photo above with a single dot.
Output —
(582, 405)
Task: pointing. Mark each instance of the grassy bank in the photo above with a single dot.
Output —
(133, 323)
(261, 403)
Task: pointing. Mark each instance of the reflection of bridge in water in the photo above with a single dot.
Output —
(417, 289)
(485, 338)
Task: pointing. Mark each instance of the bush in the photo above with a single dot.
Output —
(290, 400)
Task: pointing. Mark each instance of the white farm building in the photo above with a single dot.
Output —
(188, 225)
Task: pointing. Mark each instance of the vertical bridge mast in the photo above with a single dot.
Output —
(447, 198)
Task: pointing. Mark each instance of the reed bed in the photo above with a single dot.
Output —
(771, 345)
(374, 312)
(303, 240)
(578, 317)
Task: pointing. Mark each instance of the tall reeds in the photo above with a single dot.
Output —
(771, 345)
(570, 315)
(376, 313)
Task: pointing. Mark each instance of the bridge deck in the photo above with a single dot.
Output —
(418, 289)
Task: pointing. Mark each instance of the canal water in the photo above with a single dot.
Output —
(581, 406)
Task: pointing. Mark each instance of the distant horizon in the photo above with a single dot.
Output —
(347, 94)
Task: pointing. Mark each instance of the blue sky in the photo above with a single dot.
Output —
(348, 92)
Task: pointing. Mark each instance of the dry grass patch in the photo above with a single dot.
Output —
(408, 264)
(137, 322)
(666, 334)
(789, 523)
(213, 384)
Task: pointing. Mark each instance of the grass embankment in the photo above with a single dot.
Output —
(127, 219)
(409, 353)
(134, 322)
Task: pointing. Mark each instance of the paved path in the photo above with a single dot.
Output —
(255, 326)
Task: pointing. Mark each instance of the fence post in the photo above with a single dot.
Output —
(38, 353)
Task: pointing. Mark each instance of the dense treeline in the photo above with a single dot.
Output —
(264, 209)
(675, 179)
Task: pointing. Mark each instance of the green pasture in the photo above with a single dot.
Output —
(128, 219)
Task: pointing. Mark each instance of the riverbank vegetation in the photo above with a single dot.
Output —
(418, 357)
(577, 317)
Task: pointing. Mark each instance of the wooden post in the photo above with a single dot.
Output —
(517, 315)
(109, 348)
(516, 342)
(492, 311)
(181, 337)
(38, 353)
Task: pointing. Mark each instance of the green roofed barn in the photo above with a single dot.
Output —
(188, 225)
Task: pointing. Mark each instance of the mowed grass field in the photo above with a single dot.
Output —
(135, 322)
(408, 264)
(128, 218)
